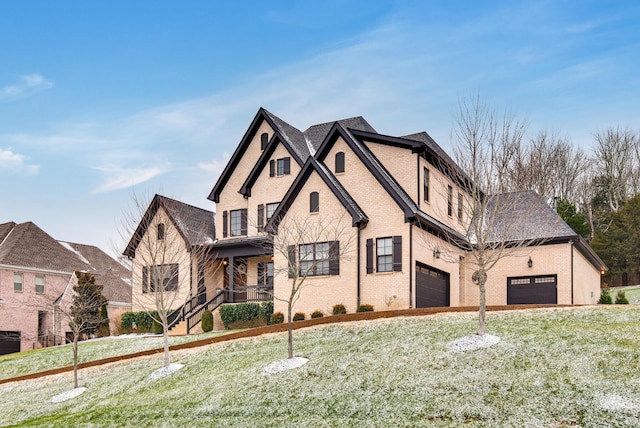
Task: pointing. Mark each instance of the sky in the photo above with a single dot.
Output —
(100, 101)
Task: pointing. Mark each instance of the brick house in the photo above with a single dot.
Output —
(36, 279)
(401, 210)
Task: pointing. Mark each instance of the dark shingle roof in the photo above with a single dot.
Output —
(317, 133)
(522, 216)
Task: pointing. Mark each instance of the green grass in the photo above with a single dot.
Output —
(553, 367)
(18, 364)
(632, 293)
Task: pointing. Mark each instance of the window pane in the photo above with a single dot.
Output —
(236, 223)
(17, 282)
(271, 208)
(339, 162)
(384, 249)
(39, 284)
(281, 166)
(426, 184)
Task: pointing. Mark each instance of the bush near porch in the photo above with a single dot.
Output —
(246, 315)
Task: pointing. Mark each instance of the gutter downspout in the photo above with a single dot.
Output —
(411, 267)
(358, 268)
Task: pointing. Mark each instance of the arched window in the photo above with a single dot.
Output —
(339, 162)
(264, 140)
(160, 231)
(314, 202)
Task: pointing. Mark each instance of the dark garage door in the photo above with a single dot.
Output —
(432, 287)
(532, 290)
(9, 342)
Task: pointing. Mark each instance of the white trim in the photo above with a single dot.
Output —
(123, 304)
(32, 269)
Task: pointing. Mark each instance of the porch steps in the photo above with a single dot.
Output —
(180, 329)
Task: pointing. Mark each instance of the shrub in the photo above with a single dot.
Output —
(265, 311)
(316, 314)
(276, 318)
(126, 321)
(339, 309)
(621, 299)
(233, 313)
(365, 308)
(207, 321)
(298, 316)
(156, 327)
(605, 297)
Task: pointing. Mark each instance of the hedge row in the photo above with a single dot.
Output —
(243, 315)
(144, 322)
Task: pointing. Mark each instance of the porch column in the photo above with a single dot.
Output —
(231, 274)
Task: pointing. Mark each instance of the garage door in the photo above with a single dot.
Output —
(432, 287)
(532, 290)
(9, 342)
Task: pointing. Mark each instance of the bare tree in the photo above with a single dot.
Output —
(167, 249)
(307, 246)
(615, 154)
(491, 230)
(84, 313)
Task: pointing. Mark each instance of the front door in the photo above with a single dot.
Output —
(240, 279)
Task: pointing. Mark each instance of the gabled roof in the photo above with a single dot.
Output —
(537, 221)
(195, 225)
(358, 216)
(26, 245)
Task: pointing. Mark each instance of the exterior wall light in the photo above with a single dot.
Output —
(436, 253)
(530, 262)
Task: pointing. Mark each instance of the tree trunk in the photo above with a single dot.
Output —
(165, 335)
(483, 304)
(75, 361)
(290, 329)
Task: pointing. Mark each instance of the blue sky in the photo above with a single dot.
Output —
(99, 98)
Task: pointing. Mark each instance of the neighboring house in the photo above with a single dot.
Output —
(402, 209)
(36, 280)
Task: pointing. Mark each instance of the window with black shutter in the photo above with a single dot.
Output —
(369, 255)
(314, 202)
(224, 224)
(160, 231)
(260, 218)
(339, 162)
(334, 258)
(145, 279)
(243, 222)
(449, 200)
(272, 168)
(291, 255)
(397, 253)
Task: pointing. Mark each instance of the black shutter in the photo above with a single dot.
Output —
(224, 224)
(369, 255)
(260, 218)
(145, 279)
(264, 139)
(243, 222)
(261, 273)
(272, 168)
(291, 251)
(287, 165)
(397, 253)
(334, 258)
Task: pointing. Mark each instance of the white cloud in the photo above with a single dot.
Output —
(117, 178)
(26, 86)
(15, 163)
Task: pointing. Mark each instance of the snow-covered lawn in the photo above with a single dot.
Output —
(551, 368)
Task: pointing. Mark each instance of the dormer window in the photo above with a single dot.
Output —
(160, 231)
(314, 202)
(339, 162)
(264, 140)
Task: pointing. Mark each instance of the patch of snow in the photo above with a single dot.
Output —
(615, 402)
(165, 371)
(68, 395)
(283, 365)
(473, 342)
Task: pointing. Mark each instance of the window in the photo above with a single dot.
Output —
(339, 162)
(160, 231)
(425, 186)
(238, 222)
(162, 275)
(17, 282)
(460, 202)
(280, 167)
(271, 208)
(314, 202)
(384, 254)
(40, 284)
(265, 274)
(449, 200)
(388, 254)
(314, 259)
(264, 140)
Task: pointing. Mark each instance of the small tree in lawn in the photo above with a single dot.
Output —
(85, 315)
(310, 245)
(492, 231)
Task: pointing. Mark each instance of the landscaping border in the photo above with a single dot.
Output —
(278, 328)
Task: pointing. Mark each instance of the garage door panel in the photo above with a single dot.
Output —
(432, 287)
(532, 290)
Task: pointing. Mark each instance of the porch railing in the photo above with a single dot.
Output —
(249, 293)
(211, 305)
